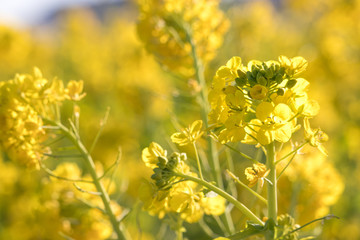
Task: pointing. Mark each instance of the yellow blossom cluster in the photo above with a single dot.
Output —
(165, 26)
(168, 194)
(36, 207)
(312, 182)
(261, 102)
(94, 224)
(24, 100)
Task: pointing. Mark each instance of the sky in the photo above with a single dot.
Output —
(22, 13)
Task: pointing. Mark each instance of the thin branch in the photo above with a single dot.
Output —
(327, 217)
(287, 165)
(90, 205)
(102, 124)
(74, 129)
(236, 179)
(52, 174)
(85, 191)
(242, 154)
(207, 229)
(115, 168)
(294, 151)
(117, 161)
(63, 156)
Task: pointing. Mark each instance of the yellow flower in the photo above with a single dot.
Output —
(185, 200)
(231, 70)
(275, 123)
(315, 137)
(315, 181)
(74, 90)
(68, 170)
(258, 92)
(293, 66)
(234, 130)
(297, 99)
(213, 205)
(164, 26)
(256, 173)
(168, 194)
(151, 154)
(21, 127)
(56, 92)
(188, 135)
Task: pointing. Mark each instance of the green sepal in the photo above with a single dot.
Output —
(241, 81)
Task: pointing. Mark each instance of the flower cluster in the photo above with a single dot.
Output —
(22, 101)
(93, 223)
(169, 193)
(165, 25)
(313, 180)
(261, 102)
(36, 207)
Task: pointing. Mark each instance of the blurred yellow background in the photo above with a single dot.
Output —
(103, 49)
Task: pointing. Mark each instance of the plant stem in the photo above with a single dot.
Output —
(246, 187)
(294, 151)
(199, 74)
(179, 232)
(271, 187)
(198, 161)
(242, 154)
(247, 212)
(91, 168)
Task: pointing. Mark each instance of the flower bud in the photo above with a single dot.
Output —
(258, 92)
(241, 81)
(291, 83)
(280, 92)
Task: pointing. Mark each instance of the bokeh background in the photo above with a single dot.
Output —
(96, 41)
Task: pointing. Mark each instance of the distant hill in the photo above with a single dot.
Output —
(101, 10)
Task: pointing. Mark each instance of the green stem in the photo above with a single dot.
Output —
(287, 165)
(294, 151)
(247, 188)
(91, 168)
(242, 154)
(272, 185)
(198, 161)
(199, 74)
(247, 212)
(179, 232)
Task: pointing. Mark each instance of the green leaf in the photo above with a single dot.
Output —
(254, 229)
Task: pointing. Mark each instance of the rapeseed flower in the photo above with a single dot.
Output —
(168, 194)
(275, 123)
(74, 90)
(257, 172)
(24, 101)
(315, 137)
(169, 28)
(260, 102)
(188, 135)
(151, 154)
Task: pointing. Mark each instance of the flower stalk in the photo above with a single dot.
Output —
(198, 160)
(91, 168)
(272, 184)
(247, 212)
(199, 74)
(236, 179)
